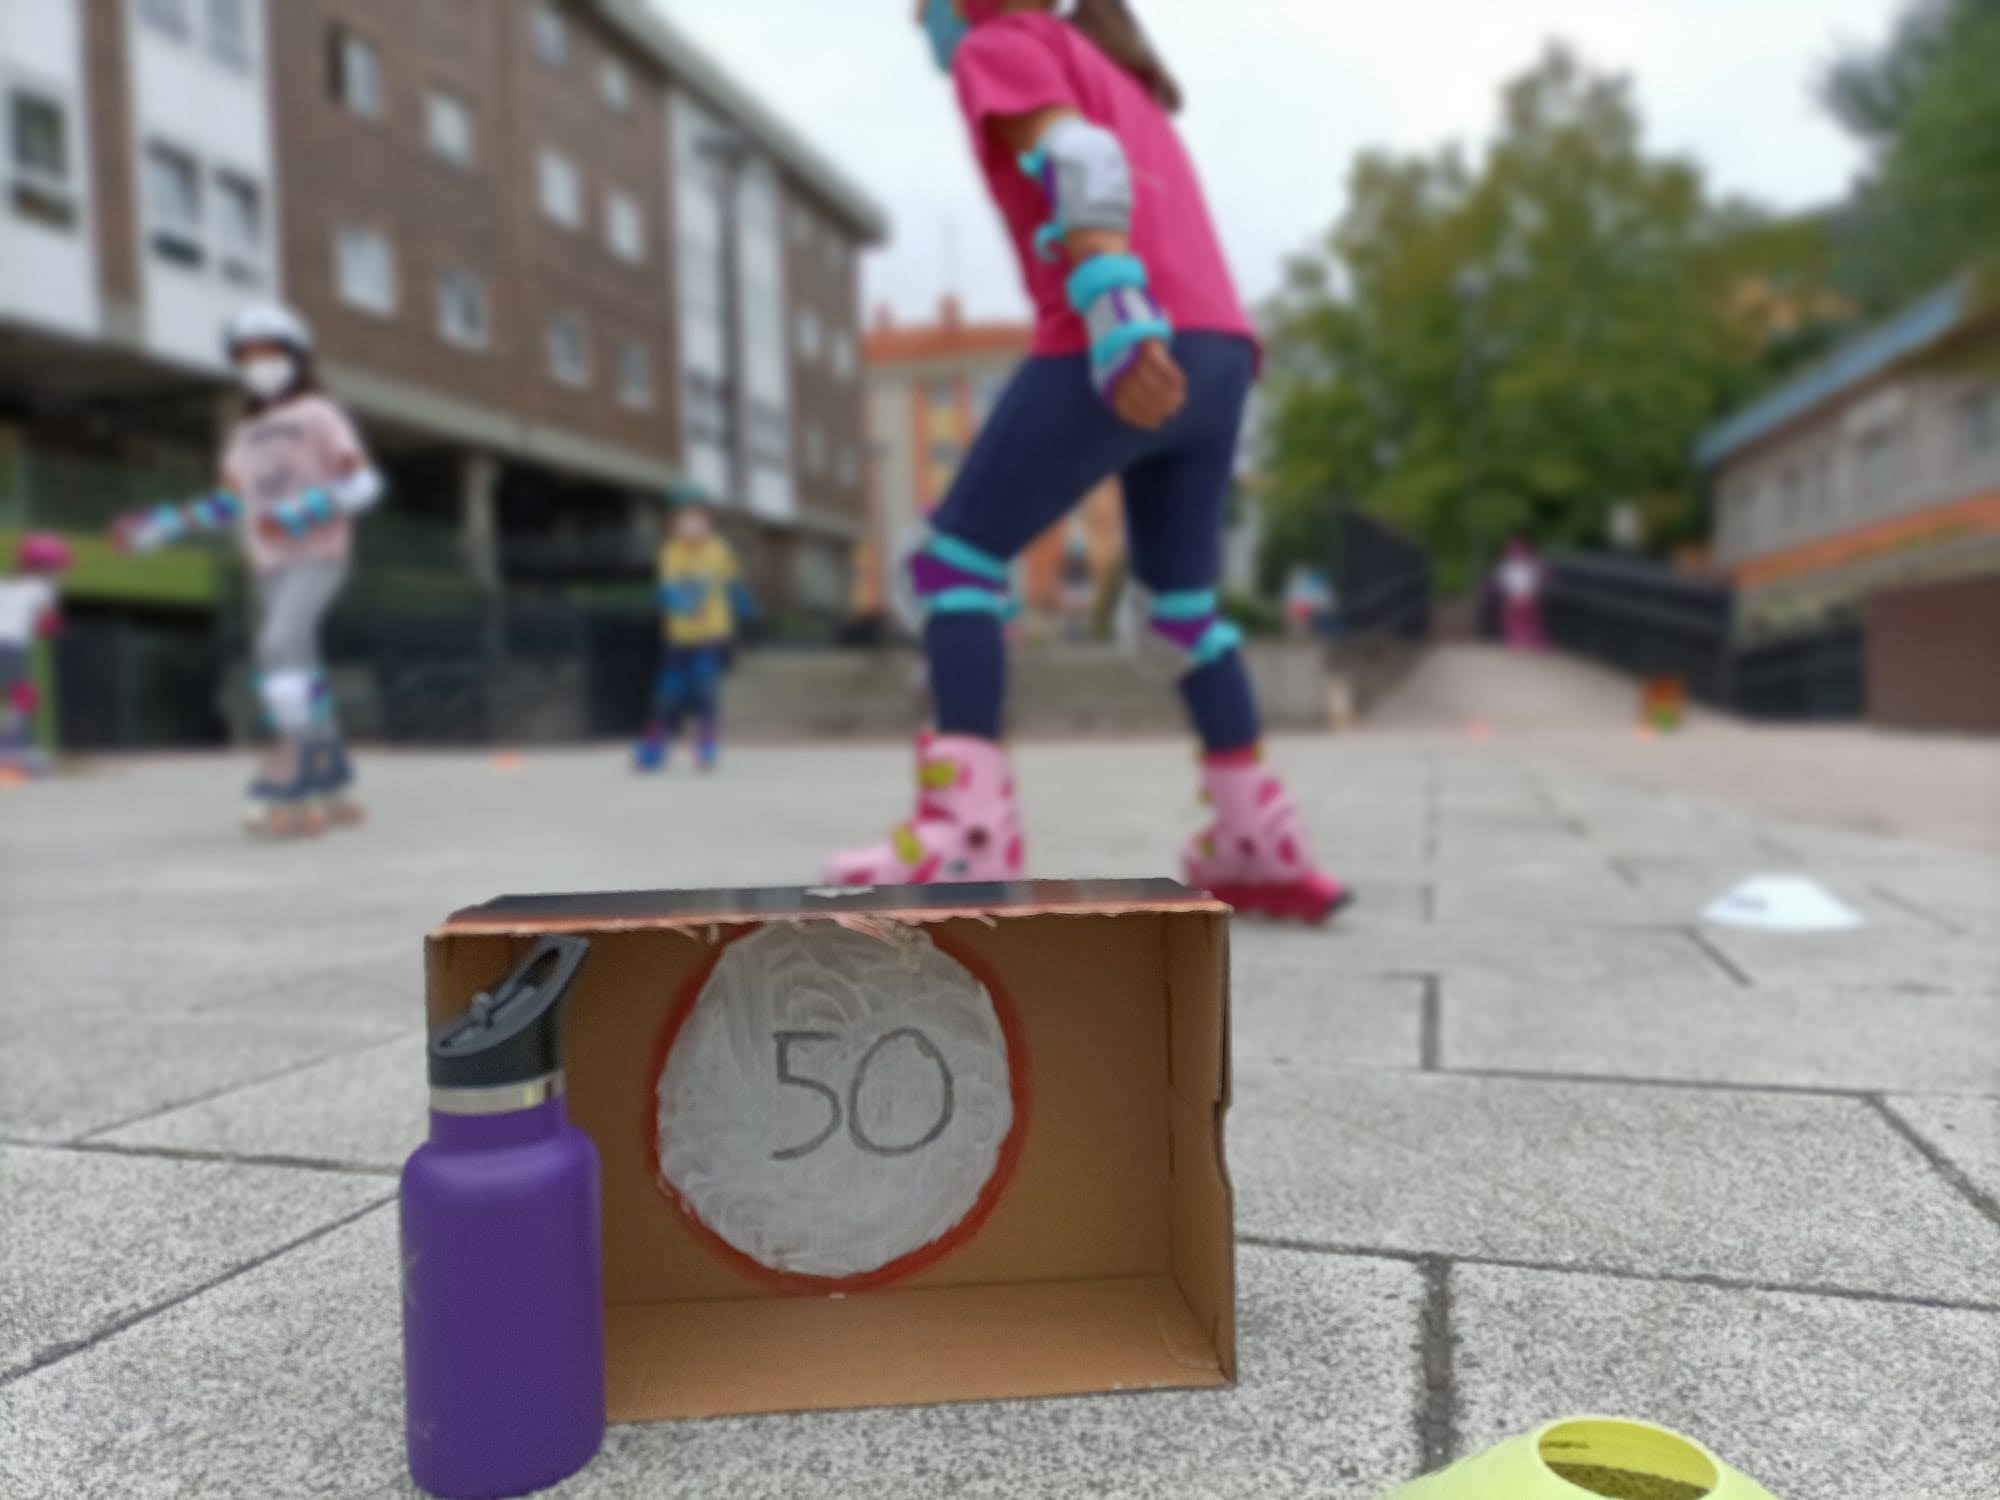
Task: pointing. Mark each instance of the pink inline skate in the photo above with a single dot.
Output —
(965, 826)
(1254, 855)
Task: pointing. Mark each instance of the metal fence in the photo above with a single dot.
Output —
(1642, 618)
(1384, 578)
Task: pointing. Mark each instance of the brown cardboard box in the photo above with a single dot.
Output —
(1098, 1254)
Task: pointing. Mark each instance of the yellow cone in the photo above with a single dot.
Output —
(1589, 1458)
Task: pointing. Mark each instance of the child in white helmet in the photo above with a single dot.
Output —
(294, 477)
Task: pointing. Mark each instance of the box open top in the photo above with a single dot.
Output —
(1097, 1252)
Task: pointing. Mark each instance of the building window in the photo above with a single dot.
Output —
(448, 128)
(38, 157)
(364, 268)
(229, 32)
(707, 410)
(943, 398)
(848, 470)
(836, 256)
(1881, 468)
(239, 227)
(551, 36)
(811, 334)
(635, 374)
(173, 204)
(168, 17)
(843, 355)
(1979, 425)
(625, 227)
(815, 450)
(614, 86)
(561, 189)
(357, 74)
(802, 227)
(569, 350)
(770, 441)
(461, 310)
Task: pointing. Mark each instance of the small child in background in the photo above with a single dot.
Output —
(28, 613)
(1518, 582)
(703, 604)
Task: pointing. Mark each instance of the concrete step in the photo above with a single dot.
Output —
(1074, 690)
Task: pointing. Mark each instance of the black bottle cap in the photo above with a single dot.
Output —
(511, 1034)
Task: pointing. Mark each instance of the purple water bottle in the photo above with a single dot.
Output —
(503, 1309)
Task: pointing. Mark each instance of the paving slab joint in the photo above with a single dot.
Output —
(1943, 1165)
(1437, 1407)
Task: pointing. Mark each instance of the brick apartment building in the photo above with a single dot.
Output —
(558, 262)
(930, 389)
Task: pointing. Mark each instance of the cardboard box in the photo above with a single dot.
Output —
(894, 1185)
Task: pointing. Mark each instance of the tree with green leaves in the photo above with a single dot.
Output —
(1518, 345)
(1928, 106)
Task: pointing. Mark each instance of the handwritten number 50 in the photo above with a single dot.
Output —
(849, 1109)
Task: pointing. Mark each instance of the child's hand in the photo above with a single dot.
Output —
(1151, 393)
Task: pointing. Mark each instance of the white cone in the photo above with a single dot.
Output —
(1783, 903)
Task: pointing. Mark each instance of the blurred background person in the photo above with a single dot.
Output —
(28, 613)
(1517, 586)
(295, 476)
(704, 604)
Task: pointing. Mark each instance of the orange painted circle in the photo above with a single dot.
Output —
(924, 1256)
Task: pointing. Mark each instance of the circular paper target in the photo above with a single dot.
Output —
(836, 1106)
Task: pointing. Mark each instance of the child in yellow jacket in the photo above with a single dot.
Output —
(703, 604)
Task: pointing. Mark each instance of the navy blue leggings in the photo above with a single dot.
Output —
(690, 682)
(1049, 441)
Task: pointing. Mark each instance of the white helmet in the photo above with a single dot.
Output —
(267, 324)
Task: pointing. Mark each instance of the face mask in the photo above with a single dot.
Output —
(268, 376)
(946, 28)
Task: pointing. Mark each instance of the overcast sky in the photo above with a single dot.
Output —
(1282, 93)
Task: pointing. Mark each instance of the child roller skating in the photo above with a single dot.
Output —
(295, 476)
(1142, 362)
(703, 603)
(28, 613)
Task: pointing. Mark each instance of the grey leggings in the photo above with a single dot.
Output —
(291, 602)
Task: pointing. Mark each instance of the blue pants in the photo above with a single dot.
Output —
(690, 682)
(1047, 444)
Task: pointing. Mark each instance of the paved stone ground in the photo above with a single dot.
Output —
(1520, 1138)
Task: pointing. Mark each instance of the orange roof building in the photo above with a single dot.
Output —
(930, 387)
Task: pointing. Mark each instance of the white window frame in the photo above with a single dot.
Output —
(476, 334)
(238, 48)
(171, 18)
(842, 355)
(361, 90)
(246, 263)
(348, 239)
(635, 374)
(565, 371)
(625, 226)
(185, 241)
(559, 188)
(812, 335)
(456, 142)
(55, 191)
(614, 85)
(550, 29)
